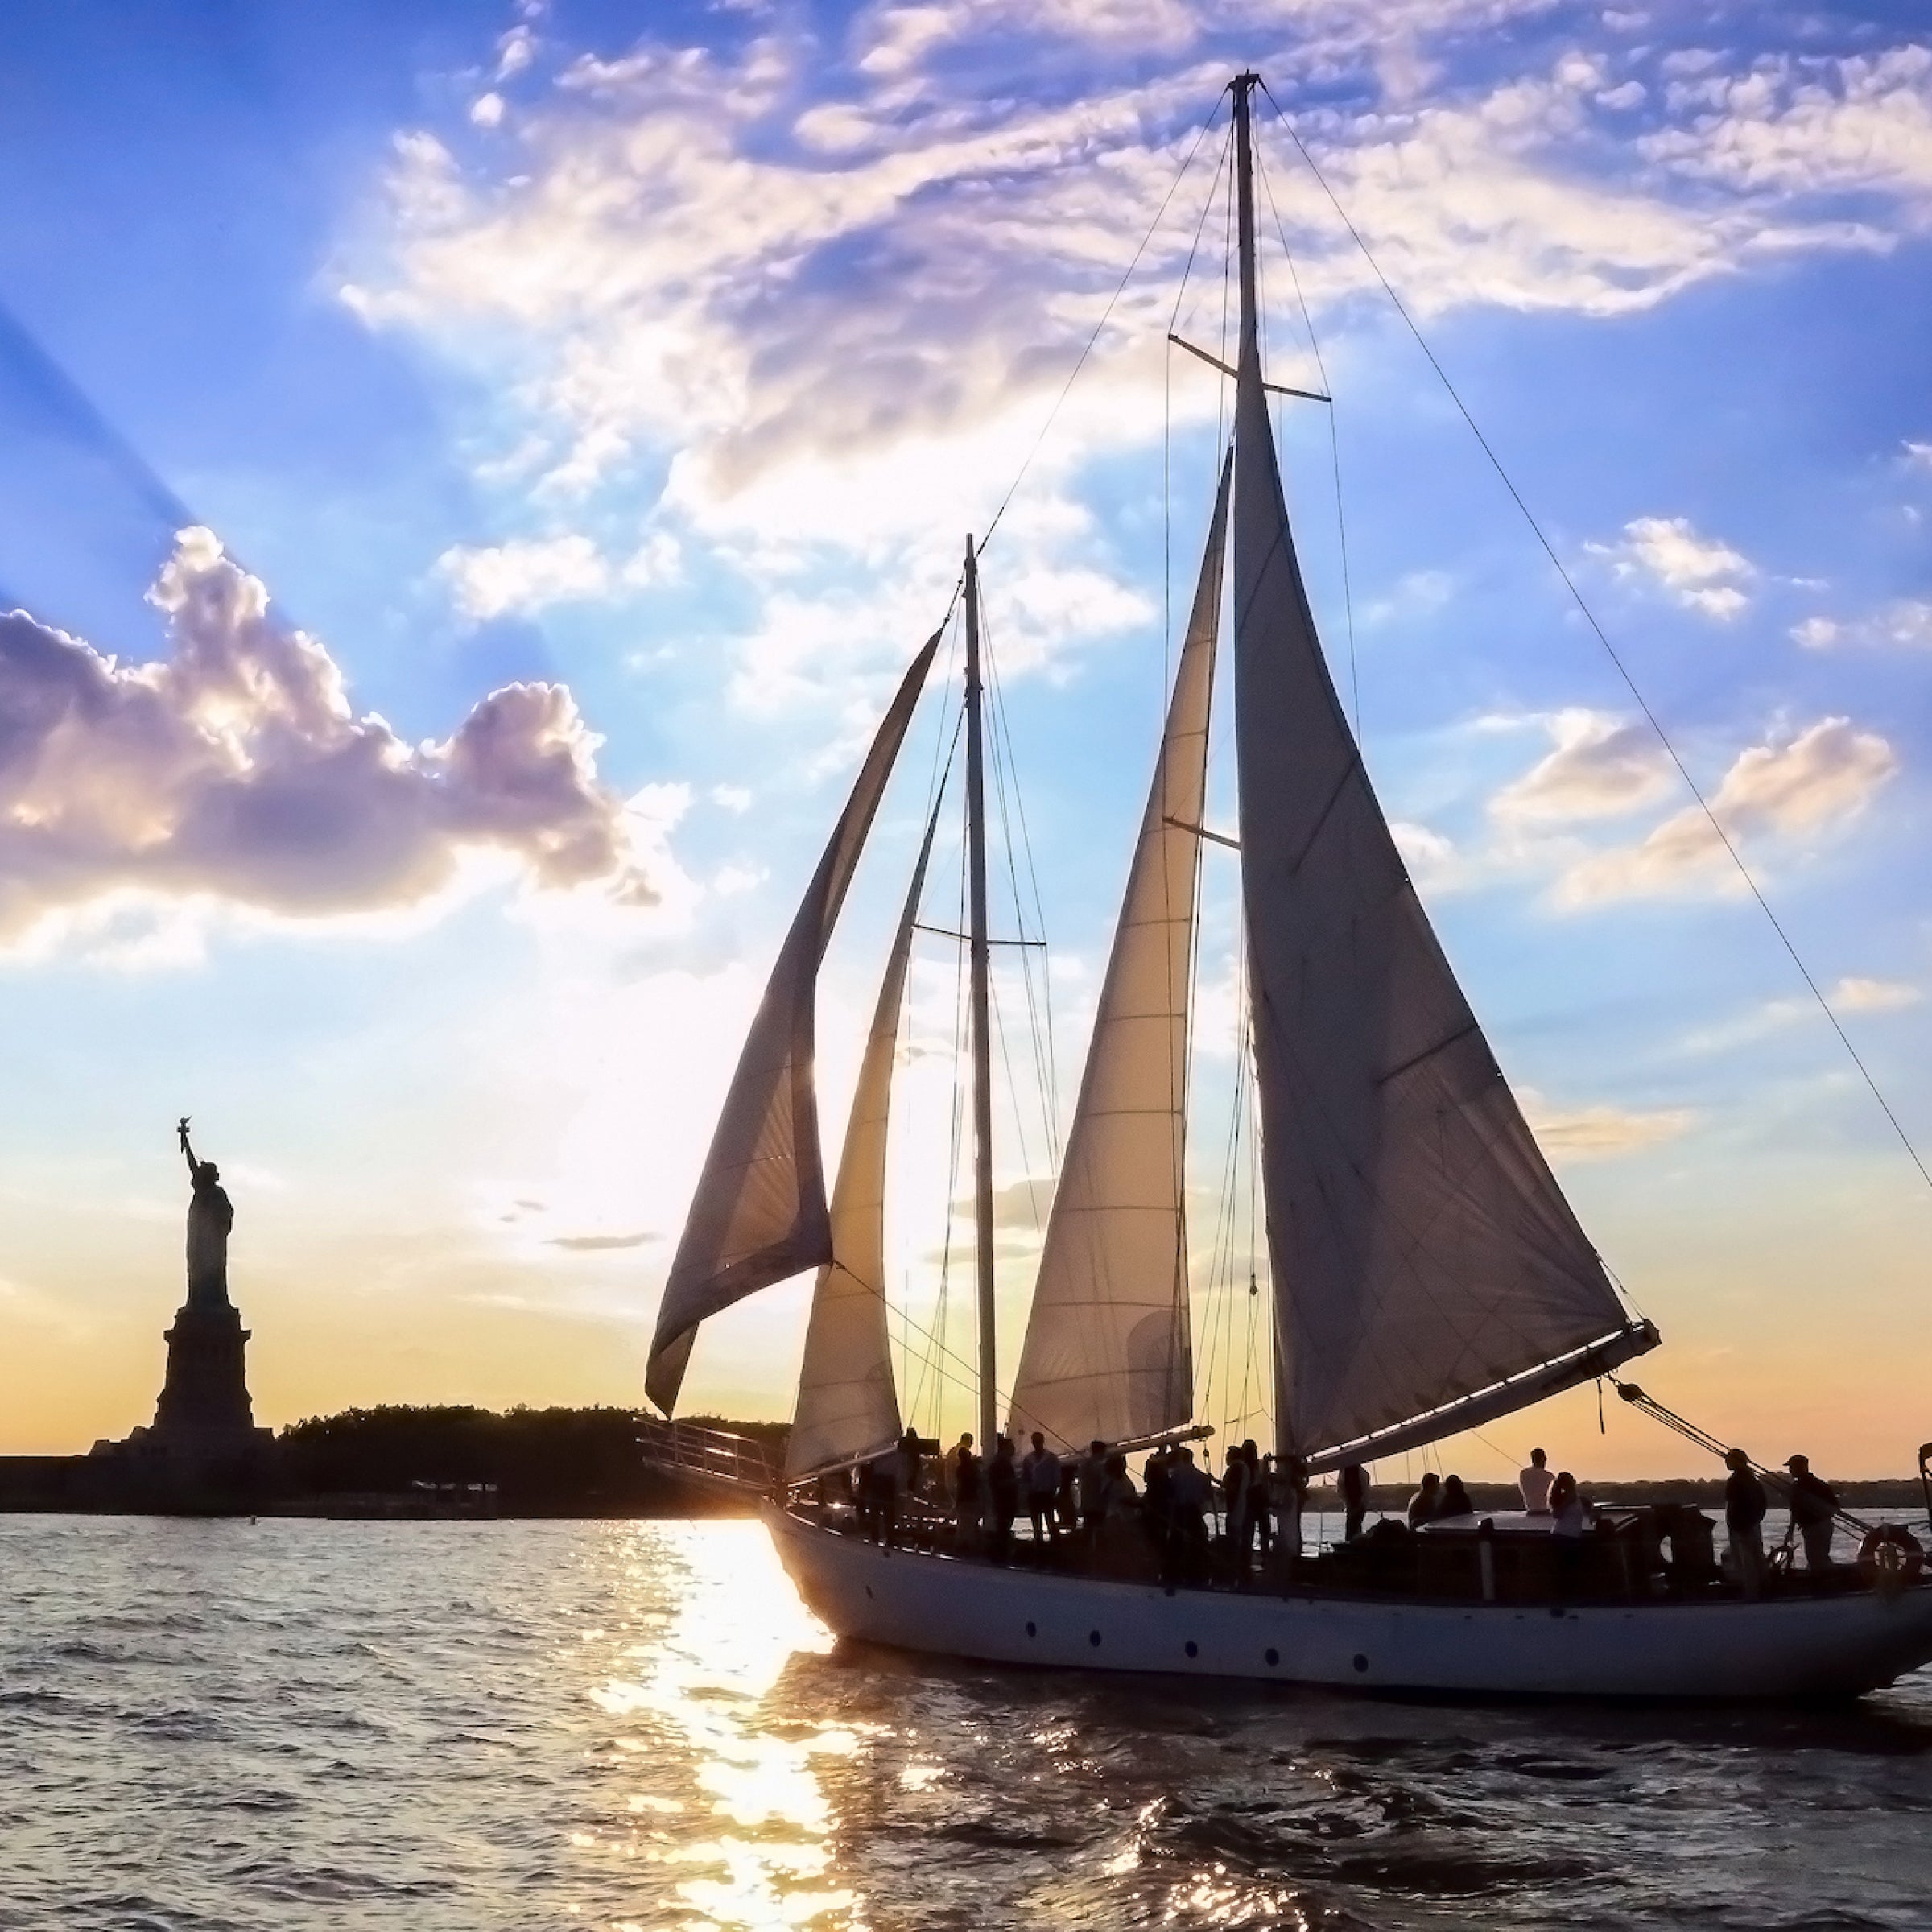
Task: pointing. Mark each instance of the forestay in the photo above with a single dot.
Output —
(1107, 1353)
(760, 1212)
(847, 1407)
(1421, 1249)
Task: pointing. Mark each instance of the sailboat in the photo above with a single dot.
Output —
(1427, 1274)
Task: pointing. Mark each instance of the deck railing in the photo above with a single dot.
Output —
(714, 1457)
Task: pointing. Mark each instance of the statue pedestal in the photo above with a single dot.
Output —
(205, 1423)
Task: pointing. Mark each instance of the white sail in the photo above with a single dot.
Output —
(1107, 1353)
(847, 1406)
(760, 1212)
(1422, 1251)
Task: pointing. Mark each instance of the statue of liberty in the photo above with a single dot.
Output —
(210, 1216)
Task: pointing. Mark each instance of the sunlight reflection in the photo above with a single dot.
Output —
(737, 1624)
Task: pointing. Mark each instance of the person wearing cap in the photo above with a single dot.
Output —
(1744, 1519)
(1813, 1504)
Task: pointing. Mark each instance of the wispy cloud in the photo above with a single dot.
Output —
(1804, 786)
(1601, 1132)
(1904, 623)
(1601, 766)
(1703, 573)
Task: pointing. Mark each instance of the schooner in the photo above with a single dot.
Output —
(1427, 1274)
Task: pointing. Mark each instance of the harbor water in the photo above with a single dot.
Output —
(470, 1727)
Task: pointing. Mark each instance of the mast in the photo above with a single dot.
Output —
(982, 1052)
(1244, 148)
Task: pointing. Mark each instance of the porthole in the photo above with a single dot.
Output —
(1361, 1662)
(1093, 1637)
(1275, 1656)
(1193, 1649)
(1033, 1629)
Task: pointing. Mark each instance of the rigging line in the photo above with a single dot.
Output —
(1180, 295)
(1651, 718)
(1053, 413)
(1003, 764)
(1335, 443)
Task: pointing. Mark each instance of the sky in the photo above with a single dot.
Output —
(470, 477)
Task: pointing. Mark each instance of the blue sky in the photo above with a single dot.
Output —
(652, 367)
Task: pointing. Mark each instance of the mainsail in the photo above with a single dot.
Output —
(847, 1406)
(1427, 1271)
(760, 1211)
(1107, 1353)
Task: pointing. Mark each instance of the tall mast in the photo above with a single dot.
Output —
(1250, 335)
(982, 1051)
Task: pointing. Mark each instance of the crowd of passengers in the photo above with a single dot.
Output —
(1092, 1505)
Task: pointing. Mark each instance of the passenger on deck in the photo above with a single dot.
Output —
(1352, 1486)
(1570, 1516)
(1120, 1511)
(1744, 1519)
(1092, 1480)
(1040, 1478)
(1156, 1512)
(1003, 1496)
(1237, 1493)
(1813, 1504)
(880, 1477)
(1261, 1496)
(1535, 1482)
(1455, 1499)
(968, 1504)
(911, 1462)
(1291, 1493)
(1424, 1504)
(1189, 1491)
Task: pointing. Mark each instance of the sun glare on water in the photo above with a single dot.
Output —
(737, 1624)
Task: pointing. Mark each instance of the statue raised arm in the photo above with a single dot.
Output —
(210, 1216)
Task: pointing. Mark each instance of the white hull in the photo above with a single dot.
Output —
(1783, 1647)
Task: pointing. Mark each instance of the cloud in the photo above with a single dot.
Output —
(234, 769)
(1851, 994)
(487, 110)
(524, 576)
(1602, 766)
(1918, 455)
(1821, 778)
(1702, 573)
(1905, 623)
(597, 1244)
(1598, 1133)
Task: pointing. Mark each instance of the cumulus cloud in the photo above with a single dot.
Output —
(1804, 786)
(491, 580)
(1703, 573)
(1598, 1133)
(235, 768)
(1601, 765)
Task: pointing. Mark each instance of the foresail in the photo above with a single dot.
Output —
(1422, 1250)
(759, 1213)
(1107, 1353)
(847, 1406)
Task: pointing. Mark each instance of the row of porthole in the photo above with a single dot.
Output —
(1273, 1656)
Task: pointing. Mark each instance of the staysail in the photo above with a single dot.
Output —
(760, 1211)
(847, 1407)
(1428, 1273)
(1107, 1353)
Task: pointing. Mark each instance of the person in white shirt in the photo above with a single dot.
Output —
(1535, 1484)
(1040, 1485)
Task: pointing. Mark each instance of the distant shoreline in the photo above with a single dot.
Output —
(400, 1462)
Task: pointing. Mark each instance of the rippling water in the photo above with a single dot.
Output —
(458, 1727)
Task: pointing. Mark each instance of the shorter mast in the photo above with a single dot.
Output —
(982, 1050)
